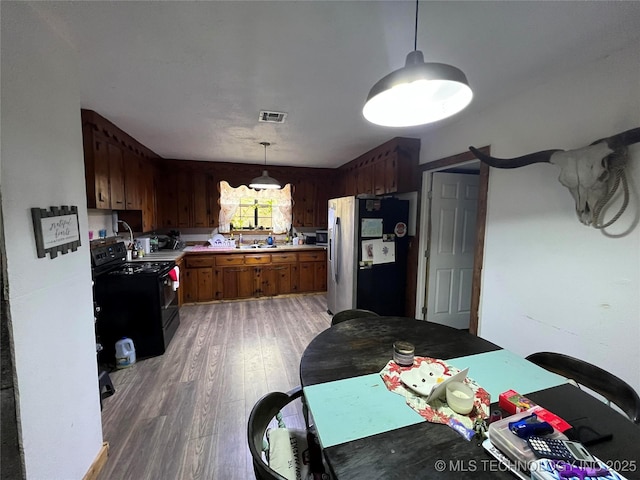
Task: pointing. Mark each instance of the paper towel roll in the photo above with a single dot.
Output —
(146, 244)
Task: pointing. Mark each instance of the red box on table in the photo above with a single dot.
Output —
(512, 402)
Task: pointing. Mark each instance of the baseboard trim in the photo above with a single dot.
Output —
(98, 463)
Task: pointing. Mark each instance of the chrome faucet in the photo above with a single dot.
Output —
(127, 226)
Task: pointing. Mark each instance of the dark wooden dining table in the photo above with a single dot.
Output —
(428, 450)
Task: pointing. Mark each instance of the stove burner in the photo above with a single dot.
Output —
(110, 260)
(125, 270)
(141, 268)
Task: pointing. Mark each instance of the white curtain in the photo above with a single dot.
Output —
(230, 201)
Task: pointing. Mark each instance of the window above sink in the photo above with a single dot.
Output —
(246, 209)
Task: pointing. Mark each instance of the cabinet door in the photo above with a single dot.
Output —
(321, 206)
(351, 183)
(214, 201)
(320, 277)
(365, 179)
(218, 286)
(205, 284)
(380, 177)
(306, 275)
(299, 198)
(189, 285)
(386, 174)
(275, 279)
(167, 199)
(309, 204)
(200, 201)
(181, 289)
(132, 182)
(101, 173)
(238, 282)
(265, 283)
(391, 175)
(116, 177)
(304, 198)
(184, 199)
(295, 278)
(283, 279)
(148, 195)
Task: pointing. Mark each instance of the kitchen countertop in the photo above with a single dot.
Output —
(248, 249)
(175, 255)
(161, 256)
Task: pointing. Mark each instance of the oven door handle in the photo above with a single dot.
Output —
(170, 297)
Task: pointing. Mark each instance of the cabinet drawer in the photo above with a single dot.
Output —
(284, 258)
(312, 256)
(196, 262)
(257, 259)
(222, 260)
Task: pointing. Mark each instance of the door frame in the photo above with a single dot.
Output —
(483, 187)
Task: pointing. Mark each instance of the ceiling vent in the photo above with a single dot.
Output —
(272, 117)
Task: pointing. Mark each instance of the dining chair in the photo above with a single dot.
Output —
(262, 416)
(614, 389)
(352, 313)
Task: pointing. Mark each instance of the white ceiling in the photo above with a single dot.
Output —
(187, 79)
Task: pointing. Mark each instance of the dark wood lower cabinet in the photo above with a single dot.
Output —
(198, 285)
(276, 280)
(238, 282)
(201, 279)
(232, 276)
(312, 271)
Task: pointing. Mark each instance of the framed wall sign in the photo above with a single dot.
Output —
(56, 230)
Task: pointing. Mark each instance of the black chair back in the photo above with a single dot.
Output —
(614, 389)
(353, 313)
(263, 412)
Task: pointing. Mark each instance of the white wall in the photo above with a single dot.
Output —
(50, 300)
(550, 283)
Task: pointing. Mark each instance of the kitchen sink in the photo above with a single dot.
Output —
(254, 246)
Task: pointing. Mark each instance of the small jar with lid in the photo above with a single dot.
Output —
(403, 353)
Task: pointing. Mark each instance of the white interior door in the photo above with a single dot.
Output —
(454, 205)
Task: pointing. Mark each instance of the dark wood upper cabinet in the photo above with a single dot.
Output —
(122, 174)
(213, 199)
(133, 186)
(388, 168)
(97, 161)
(185, 197)
(118, 175)
(200, 201)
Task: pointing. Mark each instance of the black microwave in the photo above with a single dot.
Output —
(322, 237)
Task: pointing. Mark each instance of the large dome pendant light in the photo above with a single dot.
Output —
(418, 93)
(264, 181)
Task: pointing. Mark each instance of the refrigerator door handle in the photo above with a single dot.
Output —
(335, 265)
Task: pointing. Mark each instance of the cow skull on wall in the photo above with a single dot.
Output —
(592, 174)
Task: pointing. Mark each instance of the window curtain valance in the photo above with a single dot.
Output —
(230, 201)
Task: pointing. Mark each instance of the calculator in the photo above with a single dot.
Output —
(556, 449)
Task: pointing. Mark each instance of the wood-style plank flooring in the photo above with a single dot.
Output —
(183, 415)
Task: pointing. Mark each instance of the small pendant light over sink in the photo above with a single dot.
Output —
(264, 181)
(418, 93)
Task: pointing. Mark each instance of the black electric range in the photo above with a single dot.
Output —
(135, 300)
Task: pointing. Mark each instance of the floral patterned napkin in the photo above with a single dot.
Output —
(437, 411)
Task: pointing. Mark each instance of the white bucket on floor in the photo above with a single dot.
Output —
(125, 353)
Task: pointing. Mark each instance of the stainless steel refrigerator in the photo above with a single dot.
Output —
(367, 254)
